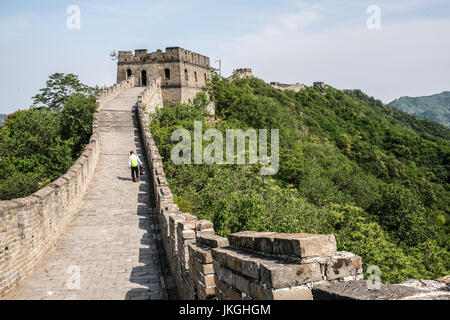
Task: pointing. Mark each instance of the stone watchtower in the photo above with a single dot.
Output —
(183, 73)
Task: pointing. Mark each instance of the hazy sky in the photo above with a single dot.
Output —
(287, 41)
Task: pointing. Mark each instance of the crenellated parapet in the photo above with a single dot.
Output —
(172, 54)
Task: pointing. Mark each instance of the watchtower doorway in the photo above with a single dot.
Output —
(144, 78)
(129, 73)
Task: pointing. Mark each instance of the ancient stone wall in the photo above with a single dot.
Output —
(246, 265)
(29, 226)
(294, 87)
(242, 73)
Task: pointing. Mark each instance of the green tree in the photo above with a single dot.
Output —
(31, 152)
(40, 144)
(76, 120)
(399, 212)
(59, 87)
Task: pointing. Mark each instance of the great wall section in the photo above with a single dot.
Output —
(91, 222)
(130, 241)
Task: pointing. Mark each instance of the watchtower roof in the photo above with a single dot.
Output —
(172, 54)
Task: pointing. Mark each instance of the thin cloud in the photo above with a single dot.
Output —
(286, 24)
(386, 63)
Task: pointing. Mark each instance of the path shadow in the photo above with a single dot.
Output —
(123, 179)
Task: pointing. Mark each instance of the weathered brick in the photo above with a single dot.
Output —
(242, 239)
(186, 225)
(257, 241)
(212, 241)
(203, 268)
(239, 261)
(264, 242)
(242, 284)
(206, 280)
(202, 255)
(304, 245)
(203, 225)
(205, 232)
(226, 292)
(205, 293)
(293, 293)
(188, 234)
(250, 267)
(189, 217)
(223, 273)
(343, 264)
(277, 275)
(219, 255)
(259, 291)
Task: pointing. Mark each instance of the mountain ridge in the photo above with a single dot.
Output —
(434, 107)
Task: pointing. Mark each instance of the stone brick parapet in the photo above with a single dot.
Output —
(151, 99)
(360, 290)
(273, 266)
(29, 226)
(107, 95)
(246, 265)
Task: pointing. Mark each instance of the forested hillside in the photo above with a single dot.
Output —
(41, 143)
(375, 177)
(435, 107)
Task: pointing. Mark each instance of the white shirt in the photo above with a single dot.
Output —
(133, 156)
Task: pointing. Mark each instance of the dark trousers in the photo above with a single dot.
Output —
(135, 173)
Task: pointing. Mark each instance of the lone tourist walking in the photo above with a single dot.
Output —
(133, 163)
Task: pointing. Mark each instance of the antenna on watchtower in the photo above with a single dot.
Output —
(114, 55)
(220, 67)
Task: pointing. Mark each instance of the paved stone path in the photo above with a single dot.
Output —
(111, 242)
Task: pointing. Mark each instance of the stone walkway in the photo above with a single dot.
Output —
(109, 249)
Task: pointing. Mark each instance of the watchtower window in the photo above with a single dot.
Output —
(186, 74)
(167, 74)
(129, 73)
(195, 76)
(206, 79)
(144, 78)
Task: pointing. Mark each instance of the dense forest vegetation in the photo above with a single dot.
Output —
(435, 107)
(374, 176)
(41, 143)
